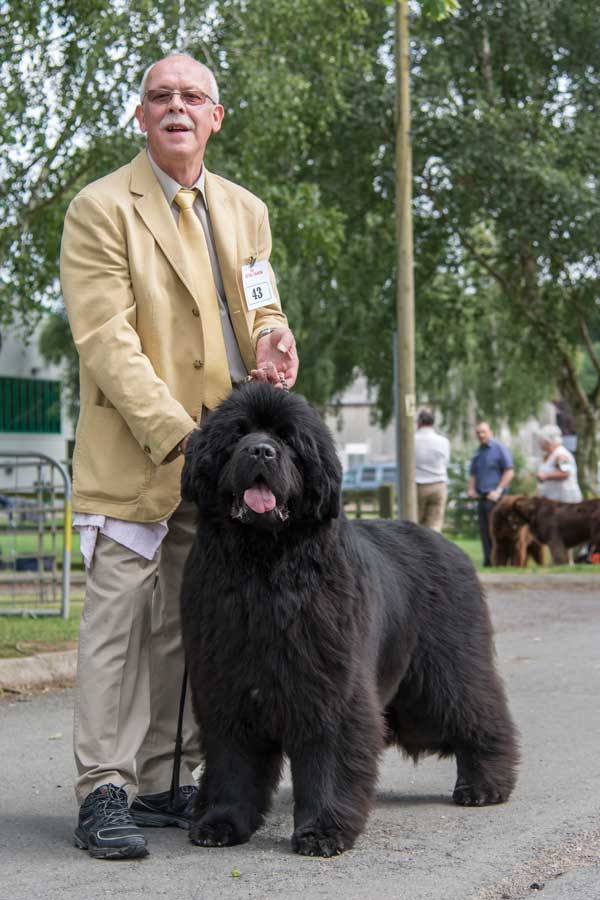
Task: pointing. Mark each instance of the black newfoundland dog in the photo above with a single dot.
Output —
(323, 639)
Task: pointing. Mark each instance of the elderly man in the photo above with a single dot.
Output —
(171, 299)
(490, 474)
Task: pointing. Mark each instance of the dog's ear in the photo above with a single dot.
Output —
(322, 474)
(195, 466)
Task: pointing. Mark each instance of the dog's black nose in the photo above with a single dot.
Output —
(263, 451)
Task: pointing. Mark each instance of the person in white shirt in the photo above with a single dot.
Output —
(432, 454)
(557, 473)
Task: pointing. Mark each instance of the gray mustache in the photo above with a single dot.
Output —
(172, 119)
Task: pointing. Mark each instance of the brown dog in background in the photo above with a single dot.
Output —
(560, 525)
(512, 540)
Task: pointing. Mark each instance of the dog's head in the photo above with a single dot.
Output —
(525, 508)
(504, 517)
(263, 459)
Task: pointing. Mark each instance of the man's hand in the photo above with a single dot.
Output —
(494, 495)
(472, 493)
(276, 359)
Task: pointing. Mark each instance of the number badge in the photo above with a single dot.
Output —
(257, 287)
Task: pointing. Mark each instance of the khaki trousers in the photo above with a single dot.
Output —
(431, 503)
(130, 667)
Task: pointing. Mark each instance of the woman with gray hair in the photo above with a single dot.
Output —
(557, 473)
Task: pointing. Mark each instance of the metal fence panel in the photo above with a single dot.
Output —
(35, 535)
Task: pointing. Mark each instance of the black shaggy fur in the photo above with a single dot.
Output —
(323, 639)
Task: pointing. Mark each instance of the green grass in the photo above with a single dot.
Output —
(26, 635)
(25, 542)
(472, 547)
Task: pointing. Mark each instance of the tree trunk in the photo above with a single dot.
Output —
(587, 424)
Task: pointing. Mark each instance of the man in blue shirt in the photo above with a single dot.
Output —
(490, 474)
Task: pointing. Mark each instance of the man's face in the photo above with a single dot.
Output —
(484, 433)
(185, 129)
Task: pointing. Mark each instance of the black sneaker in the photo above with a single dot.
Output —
(106, 829)
(156, 809)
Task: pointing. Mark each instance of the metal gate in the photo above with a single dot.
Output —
(35, 535)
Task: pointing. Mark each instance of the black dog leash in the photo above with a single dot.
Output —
(178, 742)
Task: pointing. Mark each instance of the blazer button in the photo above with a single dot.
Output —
(196, 312)
(198, 363)
(147, 450)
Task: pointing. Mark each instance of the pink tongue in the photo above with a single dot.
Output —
(259, 498)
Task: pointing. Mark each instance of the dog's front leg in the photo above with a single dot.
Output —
(334, 781)
(236, 788)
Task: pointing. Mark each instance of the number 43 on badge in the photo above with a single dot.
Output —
(257, 287)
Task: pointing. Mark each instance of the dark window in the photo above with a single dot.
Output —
(369, 473)
(29, 404)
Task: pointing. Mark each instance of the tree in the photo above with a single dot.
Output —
(508, 100)
(66, 76)
(294, 133)
(507, 219)
(506, 214)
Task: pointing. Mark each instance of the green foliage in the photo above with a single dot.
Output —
(505, 137)
(461, 512)
(439, 9)
(294, 133)
(506, 216)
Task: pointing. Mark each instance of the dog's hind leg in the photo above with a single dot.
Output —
(334, 780)
(558, 551)
(486, 757)
(236, 789)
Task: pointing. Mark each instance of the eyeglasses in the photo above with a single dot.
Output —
(190, 98)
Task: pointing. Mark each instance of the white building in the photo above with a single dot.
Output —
(32, 409)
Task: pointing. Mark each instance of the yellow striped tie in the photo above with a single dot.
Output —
(217, 380)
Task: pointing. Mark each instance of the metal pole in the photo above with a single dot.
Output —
(405, 316)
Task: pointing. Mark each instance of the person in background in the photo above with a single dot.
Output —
(171, 300)
(490, 474)
(557, 473)
(432, 454)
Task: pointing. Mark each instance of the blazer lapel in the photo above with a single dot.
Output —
(154, 210)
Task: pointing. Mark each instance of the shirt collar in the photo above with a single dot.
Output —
(171, 187)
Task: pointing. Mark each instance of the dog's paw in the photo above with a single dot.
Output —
(313, 842)
(214, 833)
(476, 794)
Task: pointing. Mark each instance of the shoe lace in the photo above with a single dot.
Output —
(112, 806)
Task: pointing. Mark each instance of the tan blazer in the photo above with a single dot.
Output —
(130, 300)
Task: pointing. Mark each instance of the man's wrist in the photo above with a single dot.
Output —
(263, 333)
(178, 449)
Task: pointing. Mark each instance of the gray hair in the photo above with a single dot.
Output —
(551, 434)
(212, 81)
